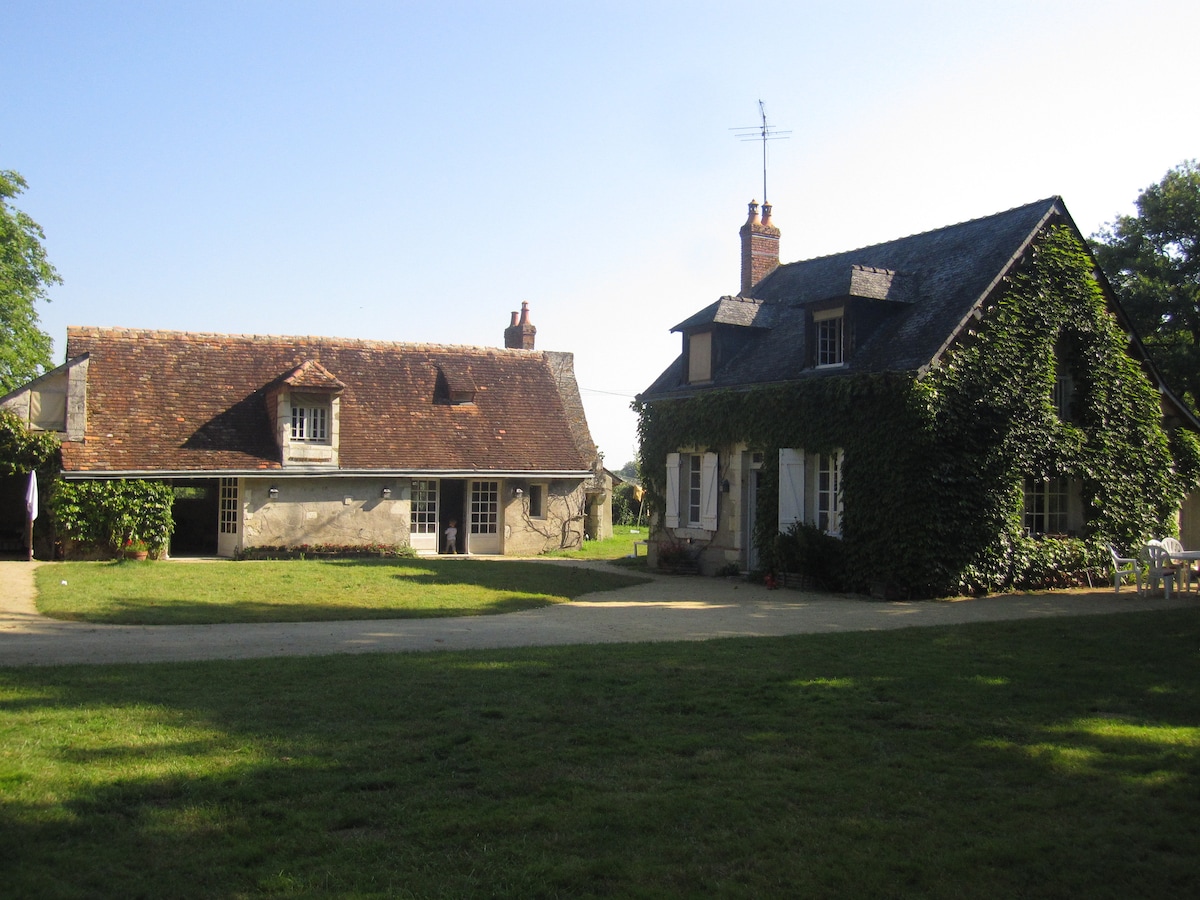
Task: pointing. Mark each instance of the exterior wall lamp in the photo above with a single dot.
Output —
(273, 492)
(386, 494)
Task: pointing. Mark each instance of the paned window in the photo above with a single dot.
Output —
(423, 518)
(692, 491)
(485, 507)
(1064, 393)
(829, 341)
(310, 424)
(228, 506)
(829, 517)
(694, 482)
(810, 489)
(1046, 505)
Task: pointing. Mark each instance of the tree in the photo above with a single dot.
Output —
(1153, 261)
(25, 274)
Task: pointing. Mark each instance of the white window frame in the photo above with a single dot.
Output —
(310, 424)
(227, 505)
(485, 507)
(423, 506)
(1047, 501)
(829, 492)
(695, 488)
(830, 348)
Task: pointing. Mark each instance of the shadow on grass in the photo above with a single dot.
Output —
(314, 590)
(1026, 758)
(163, 611)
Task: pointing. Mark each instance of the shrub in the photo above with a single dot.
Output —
(108, 515)
(811, 553)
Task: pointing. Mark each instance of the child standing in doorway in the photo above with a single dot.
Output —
(452, 537)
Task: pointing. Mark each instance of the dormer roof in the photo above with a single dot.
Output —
(310, 375)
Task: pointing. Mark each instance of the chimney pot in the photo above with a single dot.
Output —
(760, 248)
(521, 333)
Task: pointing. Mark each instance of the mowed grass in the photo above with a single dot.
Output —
(186, 593)
(1023, 759)
(618, 547)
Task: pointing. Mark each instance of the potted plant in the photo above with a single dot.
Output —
(135, 548)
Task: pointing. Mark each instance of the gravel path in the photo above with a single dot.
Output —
(666, 609)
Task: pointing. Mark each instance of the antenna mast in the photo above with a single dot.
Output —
(763, 132)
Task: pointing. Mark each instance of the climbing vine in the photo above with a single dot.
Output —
(108, 515)
(934, 465)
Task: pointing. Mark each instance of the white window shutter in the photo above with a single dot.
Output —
(791, 487)
(672, 490)
(708, 492)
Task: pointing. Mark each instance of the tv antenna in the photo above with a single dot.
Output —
(762, 132)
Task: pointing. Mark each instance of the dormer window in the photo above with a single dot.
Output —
(310, 419)
(454, 385)
(305, 405)
(829, 332)
(1063, 396)
(699, 357)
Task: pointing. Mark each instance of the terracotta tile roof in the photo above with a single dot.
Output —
(311, 374)
(176, 401)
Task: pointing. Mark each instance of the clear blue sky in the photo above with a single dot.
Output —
(413, 171)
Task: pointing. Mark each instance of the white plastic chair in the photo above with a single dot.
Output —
(1185, 570)
(1125, 569)
(1157, 559)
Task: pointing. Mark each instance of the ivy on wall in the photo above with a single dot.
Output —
(934, 465)
(107, 515)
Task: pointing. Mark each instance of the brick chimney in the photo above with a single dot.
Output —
(760, 247)
(520, 334)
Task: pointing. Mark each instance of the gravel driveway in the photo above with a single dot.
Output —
(666, 609)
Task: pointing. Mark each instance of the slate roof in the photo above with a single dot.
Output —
(935, 280)
(162, 401)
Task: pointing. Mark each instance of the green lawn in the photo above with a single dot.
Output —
(1034, 758)
(617, 547)
(181, 592)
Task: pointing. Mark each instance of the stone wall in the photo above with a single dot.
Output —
(324, 511)
(353, 511)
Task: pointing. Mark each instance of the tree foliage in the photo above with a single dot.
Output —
(1153, 262)
(25, 274)
(23, 450)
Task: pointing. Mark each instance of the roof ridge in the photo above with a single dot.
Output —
(1055, 198)
(364, 343)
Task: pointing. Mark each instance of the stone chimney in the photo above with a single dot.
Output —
(760, 247)
(520, 334)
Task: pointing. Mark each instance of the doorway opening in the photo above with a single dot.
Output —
(453, 505)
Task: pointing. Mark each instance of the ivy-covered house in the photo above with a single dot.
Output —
(962, 409)
(294, 441)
